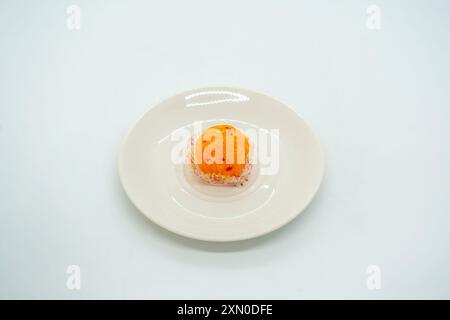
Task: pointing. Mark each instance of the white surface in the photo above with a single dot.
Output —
(168, 193)
(379, 101)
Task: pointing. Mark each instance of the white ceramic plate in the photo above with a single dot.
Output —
(281, 184)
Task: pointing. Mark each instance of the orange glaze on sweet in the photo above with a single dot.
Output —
(224, 164)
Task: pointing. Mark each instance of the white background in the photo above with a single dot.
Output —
(378, 99)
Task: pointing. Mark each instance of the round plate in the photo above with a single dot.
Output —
(287, 171)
